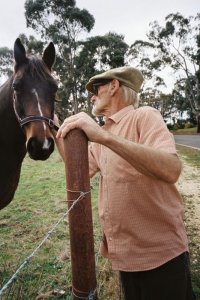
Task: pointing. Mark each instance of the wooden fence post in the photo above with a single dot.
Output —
(80, 217)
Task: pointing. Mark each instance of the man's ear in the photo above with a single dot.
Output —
(114, 86)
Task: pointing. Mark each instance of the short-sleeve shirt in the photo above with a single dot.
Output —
(141, 217)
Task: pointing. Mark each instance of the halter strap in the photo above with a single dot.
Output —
(29, 119)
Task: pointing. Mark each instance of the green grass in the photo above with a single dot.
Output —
(192, 156)
(186, 131)
(39, 203)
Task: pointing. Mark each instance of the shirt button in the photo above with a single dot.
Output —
(110, 239)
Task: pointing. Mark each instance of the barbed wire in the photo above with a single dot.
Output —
(26, 261)
(92, 293)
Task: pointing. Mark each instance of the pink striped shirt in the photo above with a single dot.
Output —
(141, 217)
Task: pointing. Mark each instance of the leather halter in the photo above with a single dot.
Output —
(33, 118)
(30, 119)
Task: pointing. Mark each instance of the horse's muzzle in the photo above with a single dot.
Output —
(38, 150)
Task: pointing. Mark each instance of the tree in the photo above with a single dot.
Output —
(143, 55)
(180, 100)
(77, 60)
(178, 45)
(62, 22)
(6, 61)
(98, 54)
(33, 47)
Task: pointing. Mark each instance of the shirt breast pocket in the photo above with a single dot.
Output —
(120, 170)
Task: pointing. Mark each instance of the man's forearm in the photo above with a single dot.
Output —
(147, 160)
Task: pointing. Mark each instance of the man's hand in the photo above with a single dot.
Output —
(94, 132)
(147, 160)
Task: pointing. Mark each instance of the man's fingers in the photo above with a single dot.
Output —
(82, 121)
(65, 128)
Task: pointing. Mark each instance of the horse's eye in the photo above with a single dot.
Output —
(16, 86)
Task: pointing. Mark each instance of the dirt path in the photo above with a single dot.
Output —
(189, 187)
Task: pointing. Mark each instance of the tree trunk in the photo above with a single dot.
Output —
(198, 122)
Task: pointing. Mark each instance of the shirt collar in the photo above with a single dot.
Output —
(121, 113)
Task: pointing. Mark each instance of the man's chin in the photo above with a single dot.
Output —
(96, 112)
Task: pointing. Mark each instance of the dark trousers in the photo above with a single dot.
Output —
(171, 281)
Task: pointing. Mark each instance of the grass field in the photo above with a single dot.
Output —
(186, 131)
(39, 203)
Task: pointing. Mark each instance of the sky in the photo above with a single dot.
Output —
(130, 18)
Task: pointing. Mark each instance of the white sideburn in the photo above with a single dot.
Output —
(46, 143)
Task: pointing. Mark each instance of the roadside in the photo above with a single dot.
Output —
(188, 131)
(189, 187)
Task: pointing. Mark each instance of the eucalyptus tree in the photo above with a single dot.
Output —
(181, 102)
(100, 53)
(63, 23)
(78, 58)
(175, 46)
(33, 46)
(144, 56)
(178, 45)
(6, 62)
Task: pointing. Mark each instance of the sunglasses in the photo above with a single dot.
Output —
(96, 85)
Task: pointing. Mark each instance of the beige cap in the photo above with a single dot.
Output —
(127, 76)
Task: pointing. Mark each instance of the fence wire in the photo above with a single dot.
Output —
(12, 290)
(49, 233)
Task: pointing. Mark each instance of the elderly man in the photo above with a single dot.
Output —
(140, 209)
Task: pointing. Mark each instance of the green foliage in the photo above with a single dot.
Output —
(6, 60)
(77, 60)
(63, 23)
(104, 52)
(94, 55)
(177, 43)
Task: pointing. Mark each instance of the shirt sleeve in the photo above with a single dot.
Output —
(153, 131)
(93, 159)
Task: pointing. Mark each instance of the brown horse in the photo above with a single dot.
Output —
(26, 116)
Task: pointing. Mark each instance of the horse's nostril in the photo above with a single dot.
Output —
(31, 145)
(40, 150)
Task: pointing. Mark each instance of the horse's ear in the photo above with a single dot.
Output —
(19, 53)
(49, 55)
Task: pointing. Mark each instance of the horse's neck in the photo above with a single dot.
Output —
(9, 126)
(6, 96)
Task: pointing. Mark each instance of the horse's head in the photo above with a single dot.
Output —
(34, 91)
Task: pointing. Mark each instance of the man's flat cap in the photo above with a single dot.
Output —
(127, 76)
